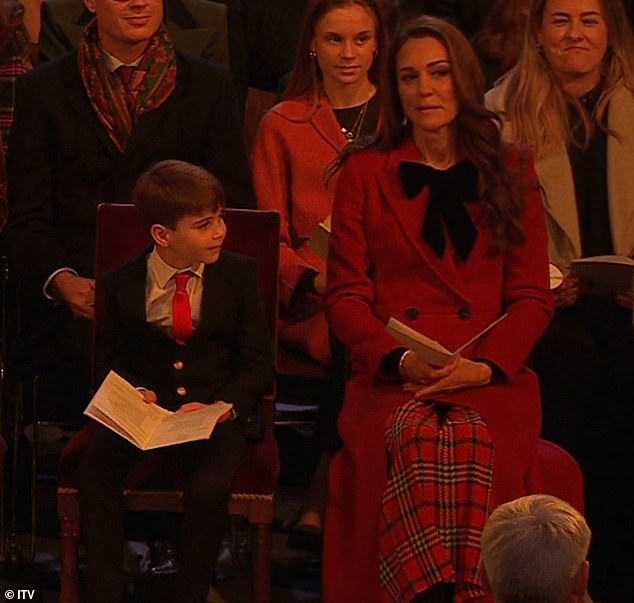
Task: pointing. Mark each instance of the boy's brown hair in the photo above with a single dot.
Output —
(172, 189)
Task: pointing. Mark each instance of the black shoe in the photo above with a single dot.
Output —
(306, 538)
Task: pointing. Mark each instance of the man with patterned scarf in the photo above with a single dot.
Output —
(86, 126)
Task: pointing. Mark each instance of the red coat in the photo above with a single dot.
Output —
(291, 155)
(379, 267)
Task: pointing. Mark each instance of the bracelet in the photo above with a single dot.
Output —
(401, 362)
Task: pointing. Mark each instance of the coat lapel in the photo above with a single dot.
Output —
(392, 192)
(621, 172)
(216, 295)
(82, 109)
(149, 123)
(555, 176)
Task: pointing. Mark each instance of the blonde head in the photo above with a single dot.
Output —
(537, 105)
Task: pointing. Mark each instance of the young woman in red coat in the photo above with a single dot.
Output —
(440, 226)
(331, 100)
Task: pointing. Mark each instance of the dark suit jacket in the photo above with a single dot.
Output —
(228, 358)
(62, 163)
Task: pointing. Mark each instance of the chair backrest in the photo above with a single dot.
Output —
(257, 104)
(121, 236)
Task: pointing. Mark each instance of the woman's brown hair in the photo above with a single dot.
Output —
(306, 79)
(476, 128)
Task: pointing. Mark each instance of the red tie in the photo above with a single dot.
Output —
(181, 310)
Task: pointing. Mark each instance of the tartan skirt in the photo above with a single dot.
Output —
(436, 500)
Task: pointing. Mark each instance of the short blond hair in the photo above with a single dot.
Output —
(533, 548)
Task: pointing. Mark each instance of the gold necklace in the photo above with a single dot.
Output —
(353, 133)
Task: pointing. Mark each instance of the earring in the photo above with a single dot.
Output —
(312, 54)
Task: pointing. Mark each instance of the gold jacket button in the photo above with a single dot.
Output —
(178, 365)
(181, 391)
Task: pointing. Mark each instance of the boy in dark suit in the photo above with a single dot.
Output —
(185, 323)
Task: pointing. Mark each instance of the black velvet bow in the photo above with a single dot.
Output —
(449, 190)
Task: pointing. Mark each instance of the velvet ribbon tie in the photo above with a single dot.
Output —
(449, 190)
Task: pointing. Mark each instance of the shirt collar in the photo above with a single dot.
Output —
(590, 99)
(161, 272)
(114, 63)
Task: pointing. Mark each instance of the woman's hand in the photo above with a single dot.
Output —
(415, 370)
(320, 283)
(625, 300)
(466, 373)
(568, 293)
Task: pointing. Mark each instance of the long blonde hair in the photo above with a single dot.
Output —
(539, 108)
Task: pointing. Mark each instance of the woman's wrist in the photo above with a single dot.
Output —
(402, 370)
(490, 371)
(487, 372)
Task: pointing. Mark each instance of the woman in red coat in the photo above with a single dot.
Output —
(330, 101)
(441, 227)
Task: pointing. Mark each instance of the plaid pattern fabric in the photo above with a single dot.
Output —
(436, 500)
(11, 69)
(116, 104)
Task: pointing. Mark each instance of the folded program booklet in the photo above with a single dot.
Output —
(605, 274)
(428, 349)
(118, 405)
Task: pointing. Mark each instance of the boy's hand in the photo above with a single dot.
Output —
(228, 416)
(194, 406)
(149, 397)
(191, 407)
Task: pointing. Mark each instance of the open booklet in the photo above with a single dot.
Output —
(118, 405)
(318, 242)
(605, 274)
(429, 350)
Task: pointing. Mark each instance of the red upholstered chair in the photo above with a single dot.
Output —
(554, 471)
(120, 237)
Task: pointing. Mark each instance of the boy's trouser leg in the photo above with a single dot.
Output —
(210, 468)
(106, 462)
